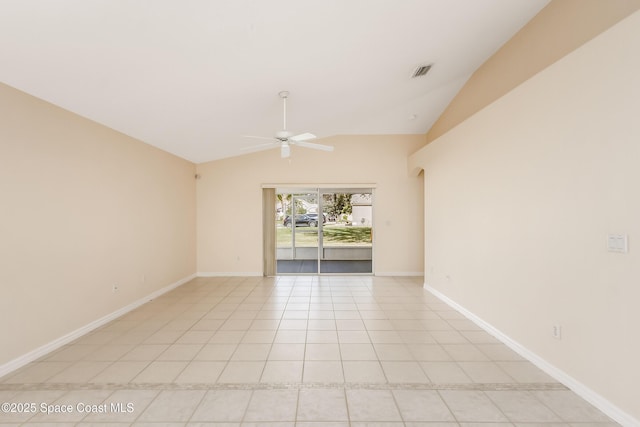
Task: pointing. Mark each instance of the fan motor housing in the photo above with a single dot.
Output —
(283, 135)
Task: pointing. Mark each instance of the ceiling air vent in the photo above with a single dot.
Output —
(420, 71)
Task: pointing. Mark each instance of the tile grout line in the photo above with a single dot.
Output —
(497, 406)
(395, 402)
(455, 417)
(284, 385)
(257, 294)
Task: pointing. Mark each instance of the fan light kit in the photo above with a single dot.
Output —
(285, 139)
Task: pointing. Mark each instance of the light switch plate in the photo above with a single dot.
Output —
(617, 243)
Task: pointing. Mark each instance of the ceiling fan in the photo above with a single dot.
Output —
(285, 139)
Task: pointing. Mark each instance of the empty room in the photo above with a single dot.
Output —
(365, 213)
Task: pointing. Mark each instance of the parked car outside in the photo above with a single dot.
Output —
(315, 216)
(301, 219)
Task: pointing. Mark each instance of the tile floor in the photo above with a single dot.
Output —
(306, 351)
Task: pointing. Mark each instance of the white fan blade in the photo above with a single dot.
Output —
(302, 137)
(312, 145)
(261, 147)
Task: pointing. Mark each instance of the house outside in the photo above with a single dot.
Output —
(361, 210)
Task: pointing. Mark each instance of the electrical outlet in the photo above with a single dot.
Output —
(557, 331)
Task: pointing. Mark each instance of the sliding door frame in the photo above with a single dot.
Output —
(270, 192)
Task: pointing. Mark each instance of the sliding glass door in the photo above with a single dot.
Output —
(297, 232)
(324, 231)
(347, 236)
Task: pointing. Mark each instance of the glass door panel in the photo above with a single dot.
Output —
(305, 232)
(298, 233)
(284, 242)
(347, 234)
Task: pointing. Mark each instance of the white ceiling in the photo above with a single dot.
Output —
(192, 76)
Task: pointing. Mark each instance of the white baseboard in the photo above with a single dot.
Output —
(227, 274)
(259, 274)
(23, 360)
(580, 389)
(399, 273)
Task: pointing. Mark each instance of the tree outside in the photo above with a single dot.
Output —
(337, 230)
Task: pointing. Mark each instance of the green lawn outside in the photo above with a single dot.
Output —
(334, 235)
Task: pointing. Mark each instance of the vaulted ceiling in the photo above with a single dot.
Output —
(192, 76)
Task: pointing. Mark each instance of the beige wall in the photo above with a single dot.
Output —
(519, 200)
(230, 200)
(83, 207)
(559, 28)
